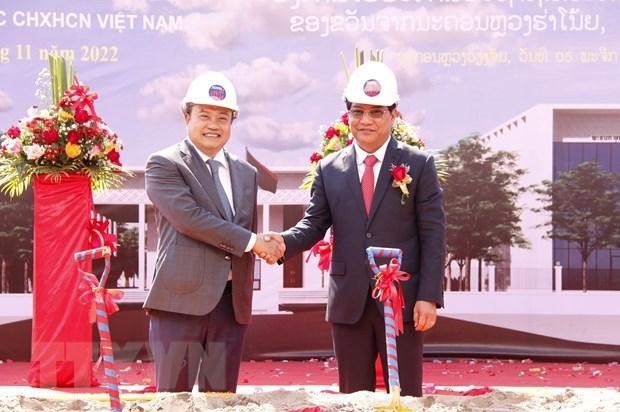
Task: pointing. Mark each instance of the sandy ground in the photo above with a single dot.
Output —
(502, 399)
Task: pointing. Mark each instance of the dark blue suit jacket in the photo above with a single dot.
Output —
(417, 228)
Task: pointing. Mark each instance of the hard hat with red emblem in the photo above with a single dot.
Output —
(372, 83)
(214, 89)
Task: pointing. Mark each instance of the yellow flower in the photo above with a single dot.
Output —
(73, 150)
(334, 144)
(342, 128)
(109, 146)
(64, 116)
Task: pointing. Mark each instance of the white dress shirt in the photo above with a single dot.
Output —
(360, 156)
(224, 174)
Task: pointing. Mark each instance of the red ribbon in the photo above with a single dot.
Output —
(101, 238)
(387, 286)
(323, 249)
(89, 289)
(78, 97)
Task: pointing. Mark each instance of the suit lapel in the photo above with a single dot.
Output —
(392, 157)
(201, 170)
(237, 182)
(353, 179)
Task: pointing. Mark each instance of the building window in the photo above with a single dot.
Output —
(603, 264)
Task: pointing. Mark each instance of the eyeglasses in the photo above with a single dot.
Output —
(358, 114)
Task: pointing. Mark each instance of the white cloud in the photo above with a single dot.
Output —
(137, 6)
(409, 75)
(263, 81)
(259, 84)
(224, 22)
(5, 102)
(168, 90)
(416, 117)
(265, 133)
(213, 31)
(191, 4)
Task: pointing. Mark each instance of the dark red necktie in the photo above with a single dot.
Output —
(368, 181)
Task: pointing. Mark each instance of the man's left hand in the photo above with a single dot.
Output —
(424, 315)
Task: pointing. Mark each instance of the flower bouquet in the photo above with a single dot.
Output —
(338, 136)
(66, 137)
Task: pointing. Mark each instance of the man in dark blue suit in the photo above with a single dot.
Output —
(355, 193)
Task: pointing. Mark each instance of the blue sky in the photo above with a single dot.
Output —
(290, 80)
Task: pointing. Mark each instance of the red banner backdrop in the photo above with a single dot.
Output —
(61, 333)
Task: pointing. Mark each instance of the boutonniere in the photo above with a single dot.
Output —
(401, 178)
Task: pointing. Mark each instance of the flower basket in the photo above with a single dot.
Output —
(67, 150)
(65, 137)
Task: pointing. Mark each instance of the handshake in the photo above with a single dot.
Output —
(269, 246)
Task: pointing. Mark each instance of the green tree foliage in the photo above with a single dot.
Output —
(481, 191)
(584, 203)
(126, 259)
(16, 236)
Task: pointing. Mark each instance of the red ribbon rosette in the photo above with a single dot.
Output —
(323, 249)
(89, 289)
(387, 286)
(78, 98)
(99, 237)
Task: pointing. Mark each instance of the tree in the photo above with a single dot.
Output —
(16, 238)
(584, 203)
(126, 259)
(481, 191)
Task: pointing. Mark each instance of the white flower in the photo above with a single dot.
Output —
(34, 152)
(12, 145)
(94, 151)
(32, 112)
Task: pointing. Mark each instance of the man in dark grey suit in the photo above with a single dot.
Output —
(205, 200)
(355, 193)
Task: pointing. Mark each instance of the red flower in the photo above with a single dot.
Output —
(87, 132)
(316, 157)
(331, 132)
(82, 116)
(114, 157)
(73, 137)
(13, 132)
(50, 136)
(399, 172)
(345, 118)
(49, 123)
(51, 153)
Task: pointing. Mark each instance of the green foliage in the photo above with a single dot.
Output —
(16, 234)
(16, 176)
(481, 190)
(61, 73)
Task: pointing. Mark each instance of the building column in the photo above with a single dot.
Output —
(265, 217)
(557, 271)
(491, 275)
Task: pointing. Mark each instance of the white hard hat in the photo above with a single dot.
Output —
(214, 89)
(372, 83)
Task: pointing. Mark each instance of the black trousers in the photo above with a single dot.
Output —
(356, 347)
(205, 348)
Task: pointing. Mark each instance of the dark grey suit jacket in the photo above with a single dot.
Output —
(197, 246)
(417, 228)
